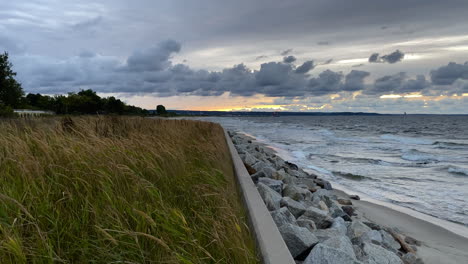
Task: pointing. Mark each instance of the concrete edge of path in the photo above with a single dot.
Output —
(270, 244)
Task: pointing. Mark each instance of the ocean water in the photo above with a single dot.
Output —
(415, 161)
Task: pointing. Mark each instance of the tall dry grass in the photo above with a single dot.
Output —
(118, 190)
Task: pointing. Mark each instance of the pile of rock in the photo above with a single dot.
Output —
(316, 225)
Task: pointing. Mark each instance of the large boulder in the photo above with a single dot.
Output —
(249, 159)
(348, 209)
(296, 193)
(309, 183)
(389, 242)
(283, 216)
(273, 184)
(260, 166)
(340, 225)
(372, 236)
(411, 258)
(357, 229)
(296, 208)
(270, 197)
(337, 229)
(298, 173)
(309, 224)
(336, 250)
(320, 217)
(374, 254)
(324, 184)
(298, 239)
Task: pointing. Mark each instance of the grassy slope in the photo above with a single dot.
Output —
(121, 190)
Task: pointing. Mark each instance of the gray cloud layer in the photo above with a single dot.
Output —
(150, 71)
(391, 58)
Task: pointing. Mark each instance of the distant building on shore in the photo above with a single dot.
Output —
(28, 112)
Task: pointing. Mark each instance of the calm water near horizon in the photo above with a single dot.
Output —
(419, 162)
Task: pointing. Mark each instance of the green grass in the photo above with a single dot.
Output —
(119, 190)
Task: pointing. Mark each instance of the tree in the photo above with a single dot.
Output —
(161, 110)
(10, 90)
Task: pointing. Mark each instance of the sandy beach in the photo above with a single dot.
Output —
(439, 245)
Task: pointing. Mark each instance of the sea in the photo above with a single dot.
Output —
(415, 161)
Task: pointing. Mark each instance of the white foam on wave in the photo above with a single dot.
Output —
(407, 140)
(418, 156)
(458, 170)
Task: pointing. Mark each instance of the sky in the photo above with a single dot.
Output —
(249, 55)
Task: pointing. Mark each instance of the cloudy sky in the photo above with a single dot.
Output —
(297, 55)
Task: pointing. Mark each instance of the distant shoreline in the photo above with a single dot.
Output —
(280, 113)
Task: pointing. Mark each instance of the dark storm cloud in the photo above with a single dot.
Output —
(286, 52)
(273, 73)
(289, 59)
(305, 67)
(374, 57)
(447, 75)
(328, 82)
(261, 57)
(327, 62)
(154, 59)
(354, 81)
(387, 84)
(398, 83)
(391, 58)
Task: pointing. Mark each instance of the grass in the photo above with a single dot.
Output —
(119, 190)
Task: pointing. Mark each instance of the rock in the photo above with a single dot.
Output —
(297, 193)
(298, 173)
(373, 226)
(283, 216)
(340, 225)
(309, 224)
(389, 242)
(337, 229)
(325, 234)
(320, 217)
(291, 166)
(347, 218)
(344, 201)
(324, 184)
(348, 209)
(270, 197)
(354, 197)
(336, 250)
(298, 239)
(412, 241)
(324, 195)
(323, 206)
(288, 179)
(259, 166)
(411, 258)
(257, 175)
(378, 255)
(277, 162)
(296, 208)
(310, 183)
(271, 173)
(372, 236)
(357, 229)
(273, 184)
(249, 159)
(336, 211)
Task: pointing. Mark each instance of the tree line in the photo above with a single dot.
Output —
(84, 102)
